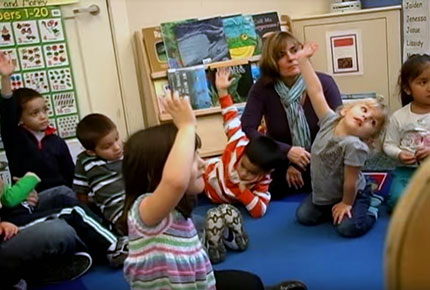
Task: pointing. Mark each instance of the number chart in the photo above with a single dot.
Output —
(35, 40)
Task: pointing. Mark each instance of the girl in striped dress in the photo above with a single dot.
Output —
(162, 173)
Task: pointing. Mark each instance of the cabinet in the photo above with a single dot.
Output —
(209, 121)
(380, 48)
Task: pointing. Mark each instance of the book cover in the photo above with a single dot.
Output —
(168, 32)
(255, 71)
(240, 35)
(191, 82)
(155, 49)
(202, 41)
(380, 182)
(160, 86)
(239, 88)
(264, 24)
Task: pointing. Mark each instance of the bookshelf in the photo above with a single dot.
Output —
(209, 120)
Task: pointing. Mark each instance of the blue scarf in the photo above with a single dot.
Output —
(290, 98)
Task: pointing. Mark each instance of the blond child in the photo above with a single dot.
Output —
(339, 151)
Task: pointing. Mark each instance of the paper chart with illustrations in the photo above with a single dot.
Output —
(35, 39)
(51, 30)
(6, 38)
(12, 54)
(31, 57)
(26, 32)
(49, 105)
(17, 81)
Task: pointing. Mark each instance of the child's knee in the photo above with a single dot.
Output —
(67, 191)
(395, 195)
(351, 228)
(62, 237)
(304, 217)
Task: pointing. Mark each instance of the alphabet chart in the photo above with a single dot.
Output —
(35, 39)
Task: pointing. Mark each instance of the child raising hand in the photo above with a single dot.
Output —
(242, 174)
(162, 174)
(340, 149)
(29, 140)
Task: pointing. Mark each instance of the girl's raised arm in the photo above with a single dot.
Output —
(313, 84)
(177, 169)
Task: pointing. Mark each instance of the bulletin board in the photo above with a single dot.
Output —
(35, 39)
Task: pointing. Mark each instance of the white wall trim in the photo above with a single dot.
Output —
(123, 46)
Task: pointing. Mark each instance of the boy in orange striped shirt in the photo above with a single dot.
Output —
(242, 174)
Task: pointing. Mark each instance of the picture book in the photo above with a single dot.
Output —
(155, 49)
(240, 35)
(255, 71)
(239, 88)
(168, 32)
(202, 41)
(264, 24)
(191, 82)
(380, 182)
(160, 86)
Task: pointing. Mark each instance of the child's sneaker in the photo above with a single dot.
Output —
(234, 237)
(214, 228)
(66, 269)
(117, 256)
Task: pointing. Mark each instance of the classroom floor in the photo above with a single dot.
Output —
(282, 249)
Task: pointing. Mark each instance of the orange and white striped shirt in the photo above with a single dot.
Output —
(221, 177)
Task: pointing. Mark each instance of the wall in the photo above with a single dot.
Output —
(131, 15)
(144, 13)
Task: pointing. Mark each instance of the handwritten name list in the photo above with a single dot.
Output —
(415, 27)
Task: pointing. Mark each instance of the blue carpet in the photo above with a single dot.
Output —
(282, 249)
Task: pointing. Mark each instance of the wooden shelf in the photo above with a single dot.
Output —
(212, 65)
(209, 123)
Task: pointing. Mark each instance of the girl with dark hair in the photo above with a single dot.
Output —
(408, 133)
(163, 174)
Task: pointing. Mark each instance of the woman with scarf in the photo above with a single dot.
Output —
(279, 97)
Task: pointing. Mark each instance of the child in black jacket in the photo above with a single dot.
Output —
(29, 140)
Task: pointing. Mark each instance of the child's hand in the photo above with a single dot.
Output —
(294, 177)
(407, 157)
(8, 230)
(308, 49)
(422, 153)
(242, 186)
(7, 66)
(33, 198)
(180, 109)
(339, 211)
(223, 81)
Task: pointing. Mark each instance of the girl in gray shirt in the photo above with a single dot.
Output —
(339, 151)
